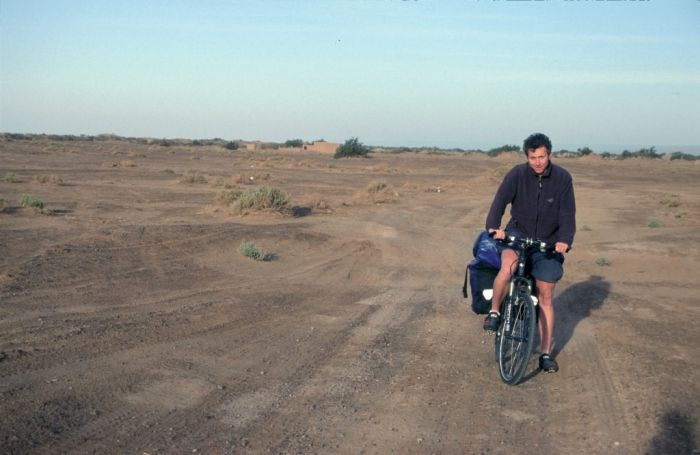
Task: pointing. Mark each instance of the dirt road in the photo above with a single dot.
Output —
(130, 323)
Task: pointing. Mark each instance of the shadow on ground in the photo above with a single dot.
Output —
(675, 435)
(576, 303)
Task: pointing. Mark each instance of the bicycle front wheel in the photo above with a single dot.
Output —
(517, 336)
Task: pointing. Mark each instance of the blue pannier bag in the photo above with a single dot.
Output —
(481, 271)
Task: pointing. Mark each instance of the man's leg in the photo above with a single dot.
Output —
(546, 325)
(500, 285)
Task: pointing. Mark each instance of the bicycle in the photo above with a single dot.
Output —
(516, 333)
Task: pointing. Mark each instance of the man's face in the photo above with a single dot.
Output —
(538, 159)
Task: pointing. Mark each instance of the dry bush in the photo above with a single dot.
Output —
(670, 200)
(11, 177)
(193, 177)
(228, 197)
(261, 198)
(51, 179)
(380, 193)
(127, 163)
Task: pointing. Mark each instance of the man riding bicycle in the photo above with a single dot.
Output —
(543, 207)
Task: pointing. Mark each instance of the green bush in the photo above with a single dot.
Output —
(653, 223)
(251, 250)
(30, 201)
(231, 145)
(293, 143)
(352, 147)
(261, 198)
(603, 262)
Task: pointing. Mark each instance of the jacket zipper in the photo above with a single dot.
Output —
(537, 217)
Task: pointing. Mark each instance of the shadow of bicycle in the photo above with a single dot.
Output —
(572, 306)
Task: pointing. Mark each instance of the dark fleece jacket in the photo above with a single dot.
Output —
(542, 207)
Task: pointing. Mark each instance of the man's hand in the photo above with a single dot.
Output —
(498, 234)
(561, 247)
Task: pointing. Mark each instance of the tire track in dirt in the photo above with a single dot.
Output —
(240, 406)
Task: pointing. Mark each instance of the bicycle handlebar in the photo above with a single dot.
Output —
(526, 242)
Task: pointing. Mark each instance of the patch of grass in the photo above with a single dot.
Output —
(168, 171)
(653, 223)
(261, 198)
(603, 262)
(586, 227)
(670, 200)
(194, 177)
(30, 201)
(11, 177)
(51, 179)
(251, 250)
(127, 163)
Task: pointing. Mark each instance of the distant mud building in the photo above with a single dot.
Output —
(322, 146)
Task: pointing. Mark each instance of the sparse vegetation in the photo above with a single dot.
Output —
(603, 262)
(670, 200)
(30, 201)
(586, 227)
(351, 147)
(653, 223)
(11, 177)
(51, 179)
(231, 145)
(228, 197)
(194, 177)
(251, 250)
(261, 198)
(375, 187)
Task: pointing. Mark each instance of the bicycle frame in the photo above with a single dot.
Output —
(515, 335)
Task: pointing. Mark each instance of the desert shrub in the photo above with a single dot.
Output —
(127, 163)
(251, 250)
(228, 197)
(603, 262)
(164, 143)
(52, 179)
(194, 177)
(653, 223)
(11, 177)
(261, 198)
(30, 201)
(671, 200)
(375, 187)
(231, 145)
(585, 151)
(168, 171)
(586, 227)
(293, 143)
(351, 147)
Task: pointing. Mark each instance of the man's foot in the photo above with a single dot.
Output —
(548, 364)
(492, 321)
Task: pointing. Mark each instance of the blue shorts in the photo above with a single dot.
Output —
(548, 267)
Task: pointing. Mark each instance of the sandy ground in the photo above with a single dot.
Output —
(130, 323)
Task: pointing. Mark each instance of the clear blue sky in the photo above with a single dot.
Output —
(446, 73)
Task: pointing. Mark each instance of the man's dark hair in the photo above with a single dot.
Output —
(535, 141)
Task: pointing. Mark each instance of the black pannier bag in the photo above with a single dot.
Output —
(480, 273)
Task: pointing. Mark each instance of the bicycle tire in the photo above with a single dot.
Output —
(517, 338)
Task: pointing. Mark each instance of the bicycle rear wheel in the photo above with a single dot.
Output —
(516, 338)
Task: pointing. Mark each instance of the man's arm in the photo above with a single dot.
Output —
(567, 217)
(504, 196)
